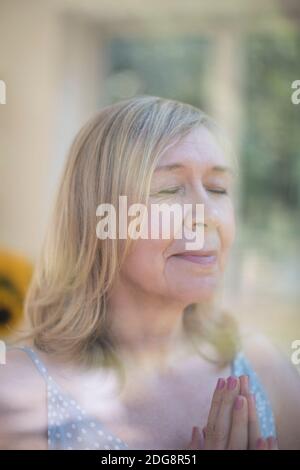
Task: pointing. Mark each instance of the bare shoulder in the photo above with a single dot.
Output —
(282, 383)
(22, 403)
(16, 376)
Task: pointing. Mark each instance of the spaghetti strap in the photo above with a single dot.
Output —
(241, 365)
(69, 425)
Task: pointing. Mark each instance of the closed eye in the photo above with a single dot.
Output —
(173, 190)
(169, 191)
(217, 191)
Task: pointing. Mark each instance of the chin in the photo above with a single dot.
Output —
(204, 296)
(199, 292)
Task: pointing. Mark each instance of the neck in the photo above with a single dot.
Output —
(148, 332)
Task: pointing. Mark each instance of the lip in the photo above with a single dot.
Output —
(204, 258)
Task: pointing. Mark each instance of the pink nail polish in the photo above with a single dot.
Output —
(260, 443)
(238, 402)
(220, 384)
(231, 383)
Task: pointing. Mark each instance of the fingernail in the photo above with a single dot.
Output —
(231, 383)
(244, 377)
(238, 402)
(220, 384)
(244, 380)
(272, 441)
(260, 443)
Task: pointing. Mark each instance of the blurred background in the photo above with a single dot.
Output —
(62, 60)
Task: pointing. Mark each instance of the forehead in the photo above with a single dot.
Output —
(199, 148)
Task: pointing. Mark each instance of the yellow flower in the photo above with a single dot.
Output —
(15, 275)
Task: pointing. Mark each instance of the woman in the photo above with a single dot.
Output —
(127, 334)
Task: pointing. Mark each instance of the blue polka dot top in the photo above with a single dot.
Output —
(70, 428)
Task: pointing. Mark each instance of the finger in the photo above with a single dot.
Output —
(202, 440)
(272, 443)
(217, 437)
(195, 439)
(244, 385)
(216, 401)
(214, 408)
(261, 444)
(253, 423)
(238, 439)
(202, 436)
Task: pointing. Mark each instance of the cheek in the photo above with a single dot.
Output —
(163, 222)
(145, 264)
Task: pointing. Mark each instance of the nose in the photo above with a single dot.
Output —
(211, 215)
(207, 214)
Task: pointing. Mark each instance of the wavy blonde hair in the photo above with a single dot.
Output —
(115, 153)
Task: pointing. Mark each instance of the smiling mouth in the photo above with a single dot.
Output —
(205, 258)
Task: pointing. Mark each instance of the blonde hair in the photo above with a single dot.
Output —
(114, 153)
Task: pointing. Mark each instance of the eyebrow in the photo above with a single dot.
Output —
(176, 166)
